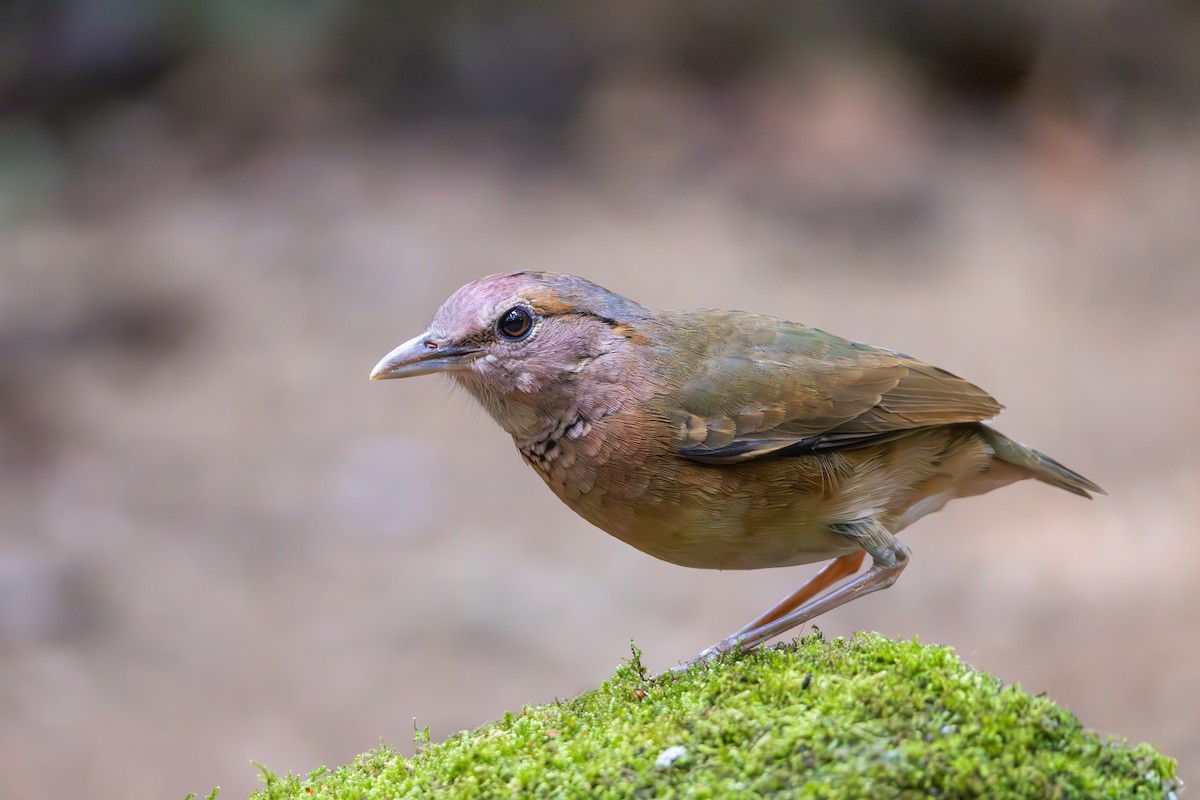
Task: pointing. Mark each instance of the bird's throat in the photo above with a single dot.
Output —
(553, 443)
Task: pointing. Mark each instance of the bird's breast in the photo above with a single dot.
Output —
(623, 475)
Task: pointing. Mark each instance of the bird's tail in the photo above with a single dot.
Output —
(1042, 466)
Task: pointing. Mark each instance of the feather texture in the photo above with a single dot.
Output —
(752, 386)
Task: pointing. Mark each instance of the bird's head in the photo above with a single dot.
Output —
(522, 342)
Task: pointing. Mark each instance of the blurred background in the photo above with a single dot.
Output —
(219, 542)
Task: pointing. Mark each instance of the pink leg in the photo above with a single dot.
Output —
(836, 570)
(879, 576)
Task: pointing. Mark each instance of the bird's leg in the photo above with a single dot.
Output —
(836, 570)
(888, 560)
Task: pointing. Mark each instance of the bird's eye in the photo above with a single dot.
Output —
(515, 324)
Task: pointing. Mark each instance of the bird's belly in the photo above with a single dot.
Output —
(770, 512)
(737, 528)
(728, 547)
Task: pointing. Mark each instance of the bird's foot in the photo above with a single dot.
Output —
(707, 654)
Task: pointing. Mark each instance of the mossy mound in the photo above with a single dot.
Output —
(865, 717)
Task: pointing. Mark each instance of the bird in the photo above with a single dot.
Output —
(723, 439)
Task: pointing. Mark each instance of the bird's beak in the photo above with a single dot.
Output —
(420, 356)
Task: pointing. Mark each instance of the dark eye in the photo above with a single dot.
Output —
(515, 324)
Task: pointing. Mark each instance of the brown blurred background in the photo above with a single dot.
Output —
(219, 542)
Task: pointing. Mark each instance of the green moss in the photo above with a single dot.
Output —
(865, 717)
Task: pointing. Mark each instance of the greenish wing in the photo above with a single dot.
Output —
(757, 385)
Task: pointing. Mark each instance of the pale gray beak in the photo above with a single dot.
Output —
(420, 356)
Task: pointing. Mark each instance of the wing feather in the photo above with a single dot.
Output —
(748, 386)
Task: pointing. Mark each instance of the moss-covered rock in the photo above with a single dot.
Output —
(865, 717)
